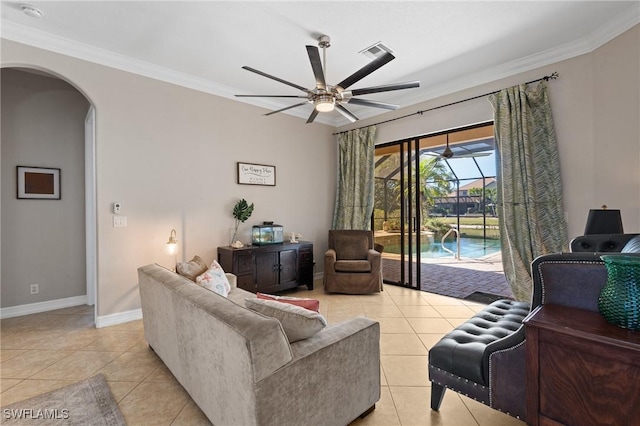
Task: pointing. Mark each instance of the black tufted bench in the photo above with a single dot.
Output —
(464, 359)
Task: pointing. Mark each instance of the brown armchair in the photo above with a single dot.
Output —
(351, 264)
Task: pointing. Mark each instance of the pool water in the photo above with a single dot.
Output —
(469, 247)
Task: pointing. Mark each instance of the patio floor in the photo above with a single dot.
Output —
(455, 278)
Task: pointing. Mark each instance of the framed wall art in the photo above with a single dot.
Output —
(38, 183)
(256, 174)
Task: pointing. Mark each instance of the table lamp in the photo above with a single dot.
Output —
(603, 221)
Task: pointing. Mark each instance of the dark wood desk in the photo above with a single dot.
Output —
(581, 370)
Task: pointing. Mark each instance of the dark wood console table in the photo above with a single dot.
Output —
(270, 268)
(581, 370)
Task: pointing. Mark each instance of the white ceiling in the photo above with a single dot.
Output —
(447, 45)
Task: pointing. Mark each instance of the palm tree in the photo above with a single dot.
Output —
(435, 182)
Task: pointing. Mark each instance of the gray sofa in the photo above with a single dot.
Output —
(239, 367)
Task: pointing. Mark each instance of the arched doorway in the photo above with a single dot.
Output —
(48, 246)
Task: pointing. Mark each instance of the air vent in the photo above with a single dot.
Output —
(376, 50)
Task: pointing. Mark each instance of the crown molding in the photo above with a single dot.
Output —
(603, 35)
(46, 41)
(53, 43)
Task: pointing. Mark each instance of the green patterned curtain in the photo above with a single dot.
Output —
(530, 203)
(355, 189)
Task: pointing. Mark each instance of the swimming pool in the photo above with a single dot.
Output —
(469, 247)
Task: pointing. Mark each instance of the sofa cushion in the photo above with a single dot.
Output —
(214, 279)
(310, 304)
(632, 246)
(192, 268)
(298, 323)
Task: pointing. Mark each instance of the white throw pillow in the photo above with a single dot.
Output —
(214, 279)
(298, 323)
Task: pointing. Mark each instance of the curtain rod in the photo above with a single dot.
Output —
(554, 75)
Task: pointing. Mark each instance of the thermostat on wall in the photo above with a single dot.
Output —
(117, 208)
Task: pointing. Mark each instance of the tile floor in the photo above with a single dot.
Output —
(43, 352)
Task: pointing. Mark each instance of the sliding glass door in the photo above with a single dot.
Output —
(432, 194)
(396, 220)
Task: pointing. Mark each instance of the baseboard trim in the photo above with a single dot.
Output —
(49, 305)
(119, 318)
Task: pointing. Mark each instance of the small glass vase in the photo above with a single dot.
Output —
(619, 301)
(232, 235)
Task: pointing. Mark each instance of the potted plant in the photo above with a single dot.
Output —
(241, 212)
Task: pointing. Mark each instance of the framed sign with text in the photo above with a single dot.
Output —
(256, 174)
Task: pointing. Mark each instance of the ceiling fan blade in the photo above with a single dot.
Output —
(313, 116)
(374, 104)
(269, 96)
(473, 155)
(264, 74)
(348, 114)
(316, 66)
(366, 70)
(286, 108)
(385, 88)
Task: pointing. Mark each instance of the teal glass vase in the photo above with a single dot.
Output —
(619, 301)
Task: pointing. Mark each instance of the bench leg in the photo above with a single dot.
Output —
(369, 410)
(437, 393)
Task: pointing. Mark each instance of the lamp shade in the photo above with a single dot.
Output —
(603, 221)
(172, 245)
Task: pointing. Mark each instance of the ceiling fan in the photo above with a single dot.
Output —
(325, 97)
(448, 153)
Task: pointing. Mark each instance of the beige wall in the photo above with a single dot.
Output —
(43, 241)
(596, 109)
(169, 154)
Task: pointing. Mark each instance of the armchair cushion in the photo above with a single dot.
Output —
(351, 246)
(352, 266)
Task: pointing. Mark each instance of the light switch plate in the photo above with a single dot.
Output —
(119, 221)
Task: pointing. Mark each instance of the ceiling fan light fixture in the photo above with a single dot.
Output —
(447, 153)
(325, 103)
(327, 97)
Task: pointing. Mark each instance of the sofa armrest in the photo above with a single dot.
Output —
(332, 379)
(233, 280)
